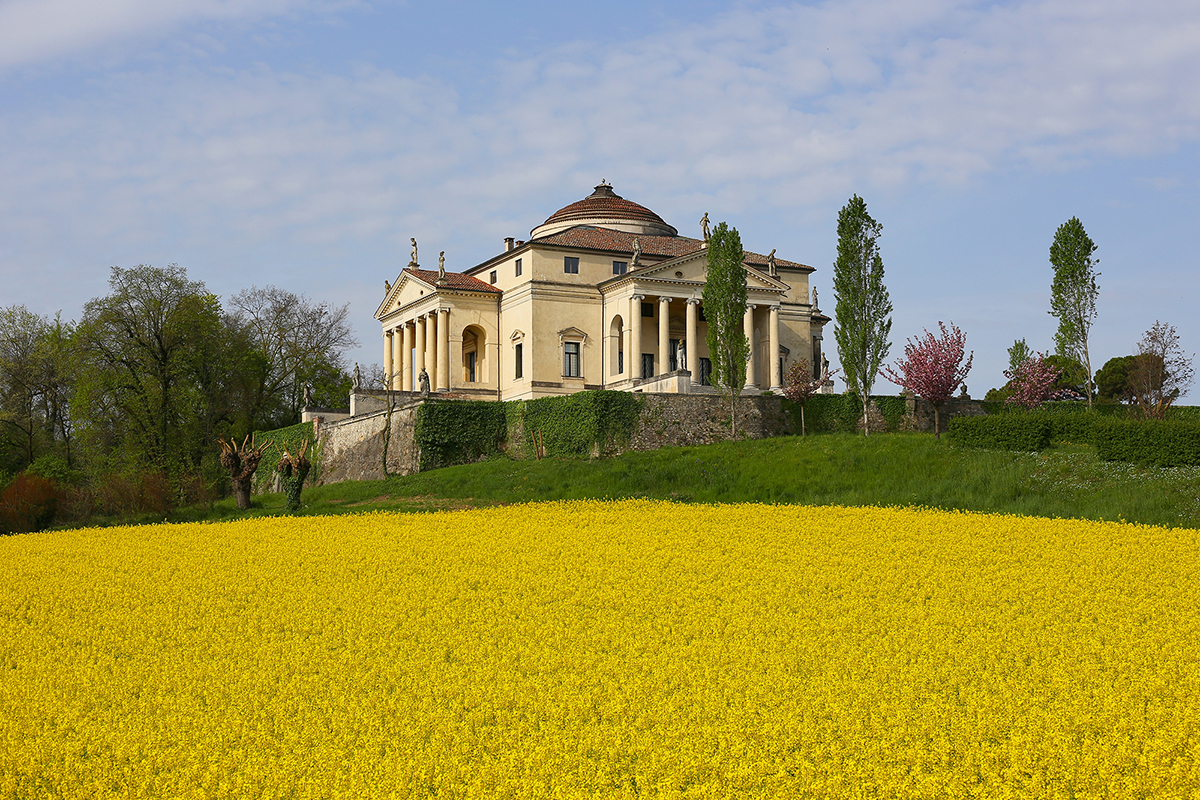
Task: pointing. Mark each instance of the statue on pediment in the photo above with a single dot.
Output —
(442, 266)
(772, 267)
(704, 226)
(413, 261)
(636, 261)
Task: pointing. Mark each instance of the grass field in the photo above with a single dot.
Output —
(590, 649)
(839, 469)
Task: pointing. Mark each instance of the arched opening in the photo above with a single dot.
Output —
(616, 346)
(473, 366)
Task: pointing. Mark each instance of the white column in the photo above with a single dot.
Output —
(773, 328)
(397, 358)
(431, 348)
(443, 356)
(693, 346)
(634, 356)
(664, 336)
(407, 381)
(419, 325)
(748, 329)
(388, 347)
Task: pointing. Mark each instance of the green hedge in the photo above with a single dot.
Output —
(458, 431)
(842, 413)
(576, 425)
(1167, 443)
(1024, 432)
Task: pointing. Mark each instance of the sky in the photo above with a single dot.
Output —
(300, 143)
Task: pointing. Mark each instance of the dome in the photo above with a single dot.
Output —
(604, 208)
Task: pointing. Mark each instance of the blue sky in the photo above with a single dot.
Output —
(302, 142)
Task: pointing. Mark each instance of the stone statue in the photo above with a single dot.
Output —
(387, 286)
(704, 226)
(413, 261)
(682, 357)
(423, 382)
(772, 267)
(637, 253)
(815, 307)
(442, 266)
(963, 394)
(357, 377)
(825, 371)
(308, 395)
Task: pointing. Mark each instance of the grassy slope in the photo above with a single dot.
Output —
(894, 469)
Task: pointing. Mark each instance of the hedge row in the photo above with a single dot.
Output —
(1024, 432)
(1170, 443)
(458, 431)
(1166, 443)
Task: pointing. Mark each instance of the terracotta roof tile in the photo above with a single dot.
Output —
(454, 280)
(604, 203)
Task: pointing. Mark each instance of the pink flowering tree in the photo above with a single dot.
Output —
(932, 368)
(1031, 382)
(800, 386)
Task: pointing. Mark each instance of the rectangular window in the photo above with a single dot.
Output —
(492, 278)
(620, 267)
(705, 371)
(570, 265)
(519, 368)
(620, 362)
(674, 362)
(471, 367)
(518, 272)
(647, 365)
(571, 359)
(647, 309)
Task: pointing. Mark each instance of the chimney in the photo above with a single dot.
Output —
(508, 243)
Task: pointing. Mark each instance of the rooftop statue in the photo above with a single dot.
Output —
(637, 253)
(772, 267)
(442, 266)
(704, 226)
(413, 262)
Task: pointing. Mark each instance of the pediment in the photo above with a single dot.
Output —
(407, 289)
(693, 268)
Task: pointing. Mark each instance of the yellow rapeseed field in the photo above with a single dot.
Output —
(592, 649)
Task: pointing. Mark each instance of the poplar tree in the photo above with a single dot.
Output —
(863, 315)
(1073, 293)
(725, 307)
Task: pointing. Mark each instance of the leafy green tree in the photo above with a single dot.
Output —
(34, 388)
(1073, 294)
(1071, 373)
(863, 313)
(1018, 354)
(1112, 379)
(1161, 371)
(153, 360)
(725, 308)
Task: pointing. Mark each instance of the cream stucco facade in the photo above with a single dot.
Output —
(573, 308)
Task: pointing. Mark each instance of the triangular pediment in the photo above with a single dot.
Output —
(693, 268)
(408, 288)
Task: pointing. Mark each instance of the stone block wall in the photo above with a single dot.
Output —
(676, 420)
(353, 449)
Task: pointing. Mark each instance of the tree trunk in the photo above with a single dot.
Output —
(803, 432)
(241, 491)
(937, 422)
(866, 419)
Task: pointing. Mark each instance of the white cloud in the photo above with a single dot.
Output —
(36, 30)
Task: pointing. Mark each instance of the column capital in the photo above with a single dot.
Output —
(777, 307)
(638, 297)
(693, 301)
(444, 310)
(664, 298)
(751, 306)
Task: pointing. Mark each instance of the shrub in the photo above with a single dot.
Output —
(578, 425)
(1161, 443)
(28, 504)
(458, 431)
(1023, 432)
